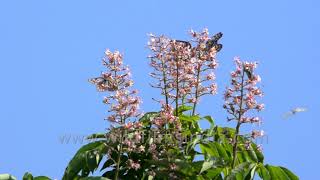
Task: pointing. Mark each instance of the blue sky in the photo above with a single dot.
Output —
(50, 48)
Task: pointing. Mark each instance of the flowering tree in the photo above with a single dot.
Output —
(169, 143)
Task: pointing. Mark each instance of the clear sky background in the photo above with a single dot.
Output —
(48, 50)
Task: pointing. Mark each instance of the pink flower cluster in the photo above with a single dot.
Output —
(184, 70)
(165, 117)
(240, 98)
(123, 102)
(133, 165)
(130, 136)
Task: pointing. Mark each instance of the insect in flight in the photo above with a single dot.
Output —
(294, 111)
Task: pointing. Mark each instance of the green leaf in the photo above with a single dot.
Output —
(206, 165)
(214, 173)
(250, 175)
(85, 159)
(107, 164)
(263, 172)
(94, 178)
(258, 153)
(222, 152)
(219, 177)
(241, 171)
(187, 118)
(277, 172)
(192, 144)
(97, 136)
(7, 177)
(214, 149)
(182, 109)
(146, 118)
(207, 150)
(289, 173)
(197, 165)
(209, 119)
(41, 178)
(27, 176)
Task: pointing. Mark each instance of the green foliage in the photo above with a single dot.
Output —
(215, 150)
(29, 176)
(7, 177)
(212, 145)
(86, 160)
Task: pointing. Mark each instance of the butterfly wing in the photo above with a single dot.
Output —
(249, 73)
(287, 115)
(99, 82)
(218, 47)
(216, 37)
(185, 43)
(213, 42)
(300, 109)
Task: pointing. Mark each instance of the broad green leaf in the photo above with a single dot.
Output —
(27, 176)
(258, 153)
(187, 118)
(85, 159)
(222, 152)
(241, 171)
(197, 166)
(41, 178)
(7, 177)
(214, 173)
(94, 178)
(219, 177)
(289, 173)
(252, 170)
(263, 172)
(97, 136)
(145, 119)
(107, 164)
(192, 144)
(199, 177)
(214, 149)
(277, 172)
(206, 165)
(182, 109)
(209, 119)
(208, 150)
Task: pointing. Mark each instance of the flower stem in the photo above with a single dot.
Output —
(165, 83)
(196, 93)
(119, 158)
(177, 87)
(235, 139)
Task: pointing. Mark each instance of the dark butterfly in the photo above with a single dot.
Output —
(103, 84)
(249, 73)
(217, 47)
(213, 42)
(186, 43)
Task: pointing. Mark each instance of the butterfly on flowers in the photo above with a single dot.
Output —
(104, 83)
(185, 43)
(213, 42)
(249, 73)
